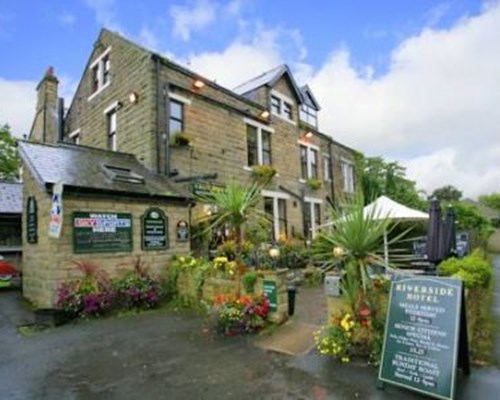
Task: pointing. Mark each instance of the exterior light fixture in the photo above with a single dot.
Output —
(308, 135)
(264, 114)
(198, 84)
(274, 253)
(133, 98)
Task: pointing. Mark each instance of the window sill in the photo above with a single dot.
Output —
(98, 91)
(282, 117)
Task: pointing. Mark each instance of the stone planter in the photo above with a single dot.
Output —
(275, 281)
(214, 286)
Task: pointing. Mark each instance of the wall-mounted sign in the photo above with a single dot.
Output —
(425, 335)
(272, 295)
(31, 220)
(56, 211)
(98, 232)
(154, 230)
(182, 231)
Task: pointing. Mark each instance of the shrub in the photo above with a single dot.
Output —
(249, 280)
(474, 269)
(314, 183)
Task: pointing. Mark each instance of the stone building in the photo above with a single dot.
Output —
(164, 131)
(135, 101)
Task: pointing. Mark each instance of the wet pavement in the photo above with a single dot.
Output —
(164, 355)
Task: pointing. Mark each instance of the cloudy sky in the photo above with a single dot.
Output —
(413, 81)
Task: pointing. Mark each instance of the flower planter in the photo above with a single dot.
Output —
(214, 286)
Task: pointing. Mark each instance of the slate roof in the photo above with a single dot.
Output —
(11, 198)
(308, 97)
(83, 169)
(268, 78)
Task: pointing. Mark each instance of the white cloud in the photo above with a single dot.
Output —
(105, 14)
(67, 19)
(441, 92)
(148, 39)
(192, 18)
(17, 105)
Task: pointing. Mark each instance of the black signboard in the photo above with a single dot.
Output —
(31, 220)
(154, 230)
(425, 335)
(271, 293)
(99, 232)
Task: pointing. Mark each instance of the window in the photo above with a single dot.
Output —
(275, 208)
(74, 137)
(258, 144)
(282, 106)
(111, 130)
(176, 117)
(327, 168)
(100, 77)
(312, 217)
(120, 174)
(308, 161)
(348, 176)
(309, 115)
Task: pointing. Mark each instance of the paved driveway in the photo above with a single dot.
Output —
(164, 355)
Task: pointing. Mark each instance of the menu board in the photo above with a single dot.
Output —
(154, 230)
(98, 232)
(425, 326)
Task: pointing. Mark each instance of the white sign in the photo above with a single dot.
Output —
(56, 212)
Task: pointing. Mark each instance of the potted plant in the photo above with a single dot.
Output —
(314, 183)
(263, 173)
(180, 139)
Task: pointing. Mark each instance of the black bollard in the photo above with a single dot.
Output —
(292, 290)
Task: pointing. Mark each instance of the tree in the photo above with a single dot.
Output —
(9, 159)
(447, 193)
(491, 200)
(234, 205)
(380, 177)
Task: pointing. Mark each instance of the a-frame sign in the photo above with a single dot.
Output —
(425, 339)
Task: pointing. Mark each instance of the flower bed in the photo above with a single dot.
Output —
(240, 315)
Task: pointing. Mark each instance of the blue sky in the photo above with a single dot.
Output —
(412, 81)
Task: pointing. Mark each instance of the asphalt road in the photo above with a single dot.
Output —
(165, 355)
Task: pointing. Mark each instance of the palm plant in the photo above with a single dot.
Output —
(234, 205)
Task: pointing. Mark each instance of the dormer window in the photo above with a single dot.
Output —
(100, 73)
(282, 106)
(309, 115)
(120, 174)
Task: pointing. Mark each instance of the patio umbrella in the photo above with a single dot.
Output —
(450, 234)
(434, 233)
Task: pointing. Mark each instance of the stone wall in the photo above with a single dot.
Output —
(51, 261)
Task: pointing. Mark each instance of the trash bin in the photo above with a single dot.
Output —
(292, 291)
(332, 285)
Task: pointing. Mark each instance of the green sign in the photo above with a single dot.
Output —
(154, 230)
(99, 232)
(425, 335)
(272, 295)
(31, 220)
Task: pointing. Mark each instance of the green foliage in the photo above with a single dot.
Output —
(9, 159)
(447, 194)
(314, 183)
(475, 270)
(313, 277)
(491, 200)
(180, 139)
(263, 173)
(380, 177)
(249, 280)
(235, 205)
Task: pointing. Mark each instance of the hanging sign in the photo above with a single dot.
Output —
(154, 230)
(425, 335)
(98, 232)
(56, 211)
(31, 220)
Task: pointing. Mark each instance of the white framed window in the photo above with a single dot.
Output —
(312, 216)
(100, 77)
(347, 175)
(74, 137)
(308, 115)
(282, 106)
(308, 160)
(327, 167)
(275, 207)
(258, 143)
(111, 126)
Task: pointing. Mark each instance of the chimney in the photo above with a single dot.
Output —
(45, 126)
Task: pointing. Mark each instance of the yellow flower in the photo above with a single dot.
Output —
(345, 359)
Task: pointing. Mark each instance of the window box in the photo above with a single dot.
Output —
(314, 183)
(180, 139)
(263, 173)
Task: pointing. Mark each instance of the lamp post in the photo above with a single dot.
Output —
(274, 253)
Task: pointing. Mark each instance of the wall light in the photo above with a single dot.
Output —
(308, 135)
(198, 84)
(264, 114)
(133, 98)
